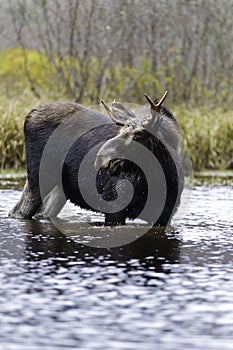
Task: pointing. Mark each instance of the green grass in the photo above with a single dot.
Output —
(208, 137)
(12, 114)
(207, 134)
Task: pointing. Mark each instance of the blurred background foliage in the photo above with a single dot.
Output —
(85, 51)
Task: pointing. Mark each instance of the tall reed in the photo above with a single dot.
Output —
(207, 133)
(208, 136)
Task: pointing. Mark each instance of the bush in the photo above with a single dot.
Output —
(29, 78)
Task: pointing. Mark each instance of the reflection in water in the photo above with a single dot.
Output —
(167, 290)
(153, 249)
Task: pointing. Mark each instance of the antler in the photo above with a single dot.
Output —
(111, 115)
(155, 106)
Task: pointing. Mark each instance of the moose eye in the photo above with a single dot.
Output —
(138, 135)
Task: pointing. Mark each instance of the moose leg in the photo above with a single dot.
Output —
(28, 203)
(52, 203)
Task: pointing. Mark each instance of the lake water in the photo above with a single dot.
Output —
(167, 290)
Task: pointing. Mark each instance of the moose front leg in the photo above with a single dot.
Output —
(28, 204)
(52, 203)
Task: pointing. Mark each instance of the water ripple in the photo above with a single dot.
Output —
(168, 290)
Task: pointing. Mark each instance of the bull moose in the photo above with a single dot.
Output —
(115, 161)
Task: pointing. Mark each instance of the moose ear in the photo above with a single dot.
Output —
(121, 112)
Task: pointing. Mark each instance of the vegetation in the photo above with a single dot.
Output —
(208, 134)
(89, 49)
(85, 51)
(12, 112)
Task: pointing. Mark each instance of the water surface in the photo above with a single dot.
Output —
(168, 290)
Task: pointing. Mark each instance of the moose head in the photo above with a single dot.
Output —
(131, 128)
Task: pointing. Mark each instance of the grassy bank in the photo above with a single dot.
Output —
(208, 134)
(12, 113)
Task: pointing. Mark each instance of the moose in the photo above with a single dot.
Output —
(129, 146)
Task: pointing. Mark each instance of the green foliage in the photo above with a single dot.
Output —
(11, 137)
(64, 77)
(22, 70)
(12, 113)
(208, 136)
(29, 78)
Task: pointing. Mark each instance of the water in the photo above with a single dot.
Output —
(168, 290)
